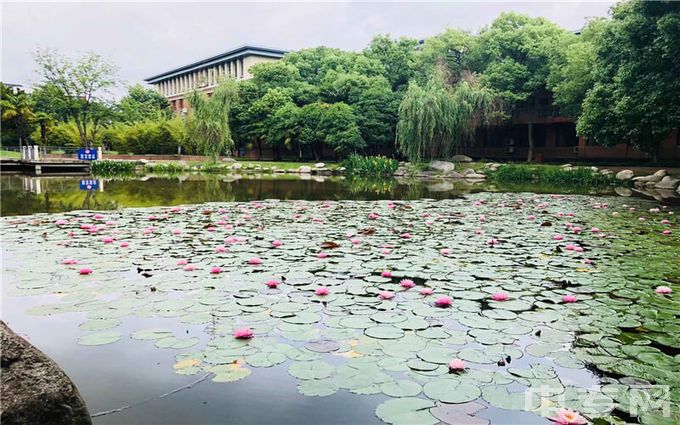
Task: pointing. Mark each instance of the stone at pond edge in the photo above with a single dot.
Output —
(624, 175)
(443, 166)
(34, 388)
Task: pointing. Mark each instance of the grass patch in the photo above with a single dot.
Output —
(10, 154)
(166, 168)
(550, 174)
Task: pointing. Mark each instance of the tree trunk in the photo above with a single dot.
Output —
(530, 135)
(43, 133)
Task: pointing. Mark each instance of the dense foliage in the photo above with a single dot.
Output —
(370, 166)
(551, 174)
(619, 77)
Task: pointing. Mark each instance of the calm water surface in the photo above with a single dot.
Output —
(28, 195)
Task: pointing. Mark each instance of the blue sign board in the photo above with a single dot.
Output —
(89, 185)
(87, 154)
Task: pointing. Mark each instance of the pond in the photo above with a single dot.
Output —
(357, 301)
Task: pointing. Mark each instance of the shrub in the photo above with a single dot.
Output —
(166, 168)
(370, 165)
(111, 168)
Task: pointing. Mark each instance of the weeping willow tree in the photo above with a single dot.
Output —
(435, 119)
(207, 123)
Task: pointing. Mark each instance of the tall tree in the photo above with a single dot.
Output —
(18, 116)
(571, 67)
(396, 56)
(513, 56)
(141, 104)
(435, 119)
(80, 86)
(207, 123)
(636, 89)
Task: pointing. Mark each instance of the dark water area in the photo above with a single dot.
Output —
(22, 195)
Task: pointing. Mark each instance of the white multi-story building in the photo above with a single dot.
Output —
(205, 74)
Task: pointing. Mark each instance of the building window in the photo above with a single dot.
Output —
(566, 135)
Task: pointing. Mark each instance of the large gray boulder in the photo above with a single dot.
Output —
(667, 183)
(652, 178)
(624, 175)
(443, 166)
(34, 390)
(305, 169)
(461, 158)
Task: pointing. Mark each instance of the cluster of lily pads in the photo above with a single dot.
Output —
(539, 288)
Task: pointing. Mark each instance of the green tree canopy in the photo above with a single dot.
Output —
(634, 98)
(76, 88)
(142, 104)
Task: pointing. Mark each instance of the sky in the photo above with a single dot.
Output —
(144, 39)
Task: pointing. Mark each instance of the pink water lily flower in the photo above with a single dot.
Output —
(272, 283)
(500, 296)
(322, 291)
(243, 333)
(61, 222)
(405, 235)
(355, 241)
(444, 302)
(663, 290)
(407, 283)
(445, 251)
(558, 237)
(595, 230)
(373, 216)
(182, 262)
(493, 242)
(385, 295)
(190, 267)
(124, 244)
(667, 232)
(69, 261)
(456, 365)
(220, 249)
(176, 232)
(531, 217)
(175, 209)
(568, 417)
(386, 273)
(255, 261)
(569, 298)
(85, 270)
(107, 239)
(99, 216)
(385, 251)
(426, 291)
(216, 270)
(277, 243)
(321, 255)
(151, 217)
(664, 221)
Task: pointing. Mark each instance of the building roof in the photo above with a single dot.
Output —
(213, 60)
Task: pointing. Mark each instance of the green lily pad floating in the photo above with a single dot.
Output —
(459, 414)
(401, 388)
(317, 387)
(451, 390)
(98, 325)
(100, 338)
(229, 372)
(263, 359)
(154, 333)
(311, 370)
(323, 346)
(384, 332)
(499, 396)
(406, 411)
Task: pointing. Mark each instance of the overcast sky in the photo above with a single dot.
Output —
(144, 39)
